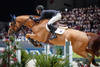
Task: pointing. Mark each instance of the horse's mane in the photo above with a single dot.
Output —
(27, 15)
(24, 17)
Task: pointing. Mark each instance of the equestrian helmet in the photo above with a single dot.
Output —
(40, 7)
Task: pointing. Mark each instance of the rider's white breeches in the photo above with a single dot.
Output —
(55, 18)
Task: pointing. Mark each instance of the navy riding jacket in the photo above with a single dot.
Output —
(46, 14)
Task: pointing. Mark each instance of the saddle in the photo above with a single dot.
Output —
(60, 25)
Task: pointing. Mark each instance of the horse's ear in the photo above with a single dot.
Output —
(13, 17)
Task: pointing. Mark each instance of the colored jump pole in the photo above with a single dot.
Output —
(68, 52)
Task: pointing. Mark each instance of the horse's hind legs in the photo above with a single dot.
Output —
(92, 58)
(94, 62)
(85, 55)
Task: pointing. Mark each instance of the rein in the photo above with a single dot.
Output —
(21, 28)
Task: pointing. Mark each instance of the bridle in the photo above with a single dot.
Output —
(21, 28)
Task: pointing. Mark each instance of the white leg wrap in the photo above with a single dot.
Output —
(54, 19)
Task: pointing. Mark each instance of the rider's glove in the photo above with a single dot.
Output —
(34, 19)
(31, 17)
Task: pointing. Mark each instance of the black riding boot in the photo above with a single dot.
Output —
(52, 30)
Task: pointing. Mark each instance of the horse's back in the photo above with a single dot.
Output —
(77, 33)
(76, 36)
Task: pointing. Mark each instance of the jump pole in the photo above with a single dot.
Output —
(47, 49)
(18, 53)
(68, 52)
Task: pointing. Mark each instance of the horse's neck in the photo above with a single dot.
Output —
(40, 26)
(24, 20)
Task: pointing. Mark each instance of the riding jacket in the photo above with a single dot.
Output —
(47, 14)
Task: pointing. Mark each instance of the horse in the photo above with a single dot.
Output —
(83, 44)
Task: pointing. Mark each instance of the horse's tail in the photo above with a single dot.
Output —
(96, 46)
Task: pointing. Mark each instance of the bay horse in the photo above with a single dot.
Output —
(84, 44)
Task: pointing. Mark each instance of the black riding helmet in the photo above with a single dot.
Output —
(40, 7)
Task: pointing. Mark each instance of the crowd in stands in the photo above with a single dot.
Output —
(84, 19)
(3, 33)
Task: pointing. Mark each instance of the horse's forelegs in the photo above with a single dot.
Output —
(92, 58)
(32, 36)
(33, 41)
(28, 35)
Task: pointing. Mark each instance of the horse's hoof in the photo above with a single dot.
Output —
(96, 64)
(88, 65)
(40, 45)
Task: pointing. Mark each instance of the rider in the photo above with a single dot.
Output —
(53, 15)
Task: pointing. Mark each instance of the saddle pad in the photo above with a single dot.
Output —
(60, 30)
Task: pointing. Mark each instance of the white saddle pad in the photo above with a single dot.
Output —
(60, 30)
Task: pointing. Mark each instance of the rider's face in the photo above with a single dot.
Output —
(38, 11)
